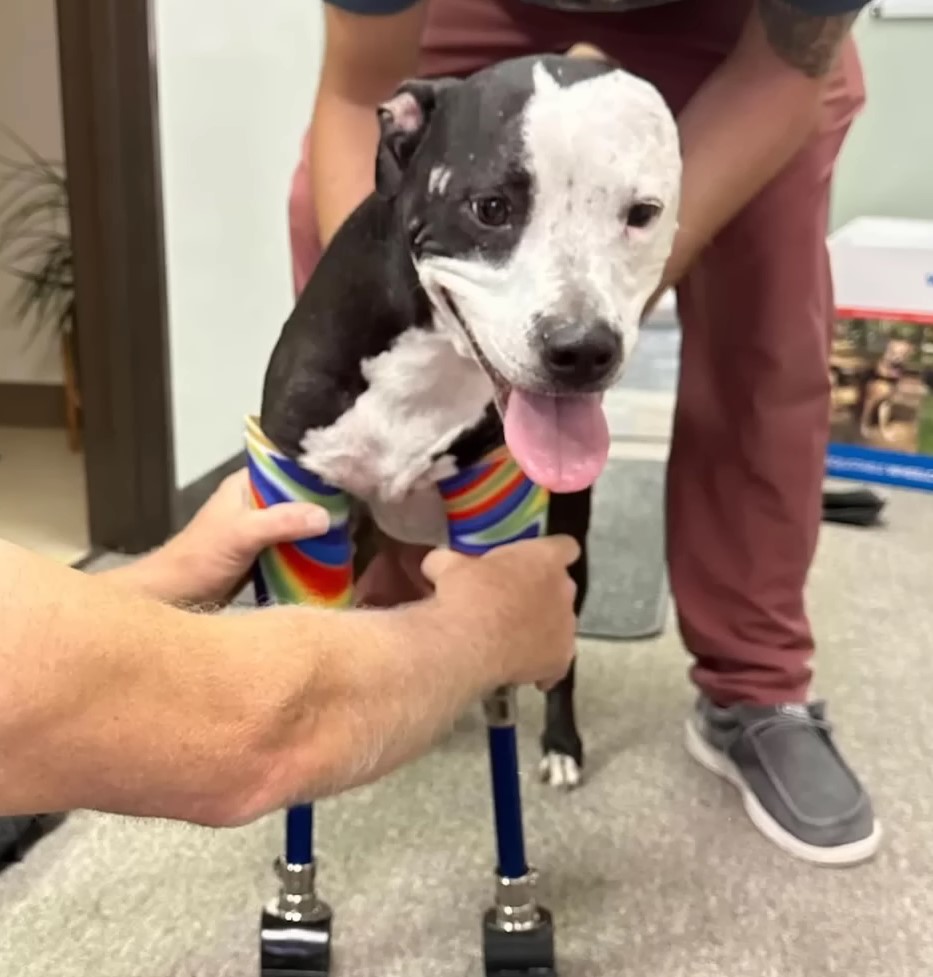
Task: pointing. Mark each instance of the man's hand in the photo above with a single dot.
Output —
(208, 561)
(518, 601)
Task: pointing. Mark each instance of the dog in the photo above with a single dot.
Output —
(489, 290)
(878, 391)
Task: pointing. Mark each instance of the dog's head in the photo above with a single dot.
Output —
(540, 202)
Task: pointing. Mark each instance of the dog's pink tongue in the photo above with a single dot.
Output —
(560, 443)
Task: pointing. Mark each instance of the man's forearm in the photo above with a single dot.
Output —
(117, 703)
(379, 696)
(735, 139)
(342, 160)
(749, 119)
(110, 700)
(365, 59)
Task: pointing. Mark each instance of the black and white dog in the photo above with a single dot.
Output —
(491, 287)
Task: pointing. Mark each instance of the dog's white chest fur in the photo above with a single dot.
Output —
(384, 450)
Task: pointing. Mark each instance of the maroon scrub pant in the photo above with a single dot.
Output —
(746, 466)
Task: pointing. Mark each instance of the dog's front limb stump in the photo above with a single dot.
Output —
(295, 929)
(489, 505)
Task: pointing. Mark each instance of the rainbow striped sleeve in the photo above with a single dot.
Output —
(312, 571)
(491, 503)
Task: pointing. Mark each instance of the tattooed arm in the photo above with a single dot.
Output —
(754, 113)
(805, 42)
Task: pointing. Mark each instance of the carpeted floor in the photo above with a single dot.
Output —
(651, 867)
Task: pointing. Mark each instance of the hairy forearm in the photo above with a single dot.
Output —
(365, 59)
(378, 696)
(114, 702)
(342, 154)
(749, 119)
(736, 135)
(111, 701)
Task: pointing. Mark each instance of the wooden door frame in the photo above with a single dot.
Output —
(113, 163)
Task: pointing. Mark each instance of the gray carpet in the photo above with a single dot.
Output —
(651, 867)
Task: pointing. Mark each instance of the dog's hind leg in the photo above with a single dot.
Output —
(295, 930)
(562, 763)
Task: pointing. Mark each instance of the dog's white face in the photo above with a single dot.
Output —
(599, 153)
(540, 230)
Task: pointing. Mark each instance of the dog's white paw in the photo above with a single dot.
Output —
(560, 771)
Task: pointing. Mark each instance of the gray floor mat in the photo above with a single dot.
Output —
(628, 592)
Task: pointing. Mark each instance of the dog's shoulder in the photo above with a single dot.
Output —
(362, 295)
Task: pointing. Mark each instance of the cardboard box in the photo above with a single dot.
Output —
(881, 424)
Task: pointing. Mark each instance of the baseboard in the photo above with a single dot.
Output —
(191, 497)
(32, 405)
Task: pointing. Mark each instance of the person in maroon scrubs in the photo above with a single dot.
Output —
(764, 93)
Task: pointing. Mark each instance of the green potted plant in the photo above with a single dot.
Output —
(35, 248)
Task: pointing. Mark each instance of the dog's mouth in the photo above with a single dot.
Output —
(560, 441)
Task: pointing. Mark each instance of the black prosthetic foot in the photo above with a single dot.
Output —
(519, 953)
(518, 933)
(295, 931)
(294, 949)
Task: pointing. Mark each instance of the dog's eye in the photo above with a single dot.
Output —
(491, 211)
(642, 213)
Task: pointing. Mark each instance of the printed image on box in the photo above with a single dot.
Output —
(882, 384)
(882, 352)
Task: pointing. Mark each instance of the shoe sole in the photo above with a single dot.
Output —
(852, 853)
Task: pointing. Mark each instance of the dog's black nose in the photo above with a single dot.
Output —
(580, 352)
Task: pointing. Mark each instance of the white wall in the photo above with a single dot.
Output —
(30, 104)
(236, 82)
(886, 164)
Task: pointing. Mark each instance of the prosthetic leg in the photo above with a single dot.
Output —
(491, 504)
(295, 930)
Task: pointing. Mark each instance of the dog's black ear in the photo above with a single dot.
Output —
(403, 121)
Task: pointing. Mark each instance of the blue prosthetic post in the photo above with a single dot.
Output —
(299, 834)
(295, 932)
(506, 793)
(489, 505)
